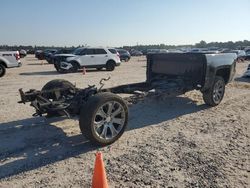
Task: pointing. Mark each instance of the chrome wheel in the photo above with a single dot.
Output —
(104, 118)
(109, 120)
(218, 91)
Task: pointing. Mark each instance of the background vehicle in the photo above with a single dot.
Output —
(90, 58)
(22, 53)
(241, 54)
(30, 51)
(103, 115)
(203, 50)
(48, 53)
(157, 51)
(41, 55)
(124, 55)
(50, 58)
(8, 59)
(247, 73)
(136, 53)
(247, 57)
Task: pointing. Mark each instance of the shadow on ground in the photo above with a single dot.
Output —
(95, 70)
(32, 143)
(39, 73)
(38, 64)
(31, 59)
(56, 73)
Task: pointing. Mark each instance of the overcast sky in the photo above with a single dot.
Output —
(122, 22)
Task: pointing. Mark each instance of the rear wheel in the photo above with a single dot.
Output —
(104, 118)
(215, 94)
(110, 65)
(2, 70)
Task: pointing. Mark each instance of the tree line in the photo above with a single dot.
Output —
(240, 45)
(202, 44)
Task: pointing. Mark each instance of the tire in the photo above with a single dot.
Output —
(2, 70)
(58, 68)
(57, 84)
(75, 66)
(127, 59)
(110, 65)
(215, 94)
(97, 110)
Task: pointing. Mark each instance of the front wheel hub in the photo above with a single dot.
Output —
(109, 120)
(218, 91)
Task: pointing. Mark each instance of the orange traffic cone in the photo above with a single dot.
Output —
(99, 177)
(84, 71)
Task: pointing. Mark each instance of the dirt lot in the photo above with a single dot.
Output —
(171, 142)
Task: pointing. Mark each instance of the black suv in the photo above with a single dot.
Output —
(41, 55)
(124, 55)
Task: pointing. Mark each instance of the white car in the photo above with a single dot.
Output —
(241, 54)
(9, 59)
(90, 58)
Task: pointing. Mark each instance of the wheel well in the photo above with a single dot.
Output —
(77, 63)
(3, 63)
(111, 61)
(224, 73)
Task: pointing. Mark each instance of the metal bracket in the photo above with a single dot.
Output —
(101, 82)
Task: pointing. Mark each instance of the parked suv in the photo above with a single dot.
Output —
(41, 55)
(90, 58)
(124, 55)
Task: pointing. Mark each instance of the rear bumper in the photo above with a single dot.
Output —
(118, 63)
(12, 65)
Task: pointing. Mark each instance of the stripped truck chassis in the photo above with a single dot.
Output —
(67, 100)
(103, 115)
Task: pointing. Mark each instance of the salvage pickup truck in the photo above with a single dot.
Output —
(8, 59)
(103, 115)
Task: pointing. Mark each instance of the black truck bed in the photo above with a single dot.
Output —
(173, 73)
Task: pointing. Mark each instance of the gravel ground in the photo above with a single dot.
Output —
(170, 142)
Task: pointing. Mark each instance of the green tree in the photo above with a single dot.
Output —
(201, 44)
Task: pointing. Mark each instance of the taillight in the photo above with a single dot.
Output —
(17, 55)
